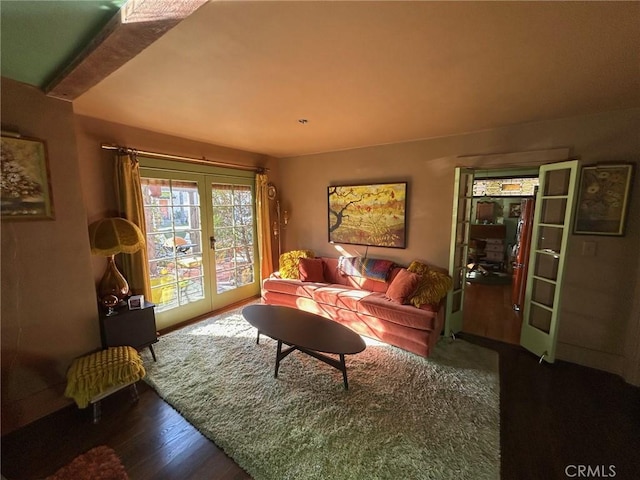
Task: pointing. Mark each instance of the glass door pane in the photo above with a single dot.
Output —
(174, 241)
(234, 241)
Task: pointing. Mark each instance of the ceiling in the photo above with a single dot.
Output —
(242, 74)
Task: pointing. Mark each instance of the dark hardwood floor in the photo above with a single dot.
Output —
(553, 417)
(152, 440)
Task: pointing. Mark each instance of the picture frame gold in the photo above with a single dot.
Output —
(603, 199)
(25, 184)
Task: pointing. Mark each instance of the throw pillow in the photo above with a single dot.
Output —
(370, 268)
(432, 288)
(402, 286)
(311, 269)
(289, 263)
(419, 268)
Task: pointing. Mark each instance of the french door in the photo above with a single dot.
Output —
(462, 199)
(200, 240)
(551, 228)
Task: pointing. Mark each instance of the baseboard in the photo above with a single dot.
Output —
(605, 361)
(18, 413)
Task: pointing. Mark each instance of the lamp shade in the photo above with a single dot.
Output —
(110, 236)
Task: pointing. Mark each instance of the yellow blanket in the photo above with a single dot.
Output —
(92, 374)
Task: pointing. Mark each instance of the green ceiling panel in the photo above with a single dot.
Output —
(40, 38)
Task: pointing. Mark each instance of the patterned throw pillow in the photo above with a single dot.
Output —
(289, 262)
(419, 268)
(433, 285)
(372, 268)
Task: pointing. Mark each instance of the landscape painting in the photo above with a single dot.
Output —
(372, 215)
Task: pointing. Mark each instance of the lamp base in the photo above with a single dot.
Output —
(110, 302)
(112, 284)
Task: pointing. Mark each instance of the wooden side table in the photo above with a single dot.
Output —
(135, 328)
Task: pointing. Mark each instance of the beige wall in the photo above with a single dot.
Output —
(97, 165)
(49, 313)
(598, 290)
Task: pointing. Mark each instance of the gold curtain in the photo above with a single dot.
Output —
(264, 226)
(131, 207)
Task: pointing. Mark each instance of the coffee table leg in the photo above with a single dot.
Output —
(258, 339)
(278, 358)
(343, 367)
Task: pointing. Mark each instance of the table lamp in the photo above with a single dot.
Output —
(108, 237)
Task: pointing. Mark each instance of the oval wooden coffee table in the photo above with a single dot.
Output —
(306, 332)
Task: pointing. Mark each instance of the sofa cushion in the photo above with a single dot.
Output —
(381, 307)
(291, 287)
(340, 296)
(289, 262)
(311, 269)
(402, 286)
(362, 283)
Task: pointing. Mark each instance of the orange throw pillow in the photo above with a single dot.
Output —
(402, 286)
(311, 270)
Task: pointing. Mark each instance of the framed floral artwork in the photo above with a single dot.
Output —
(25, 187)
(603, 199)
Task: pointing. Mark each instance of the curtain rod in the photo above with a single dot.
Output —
(167, 156)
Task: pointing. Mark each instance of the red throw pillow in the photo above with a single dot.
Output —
(402, 286)
(311, 270)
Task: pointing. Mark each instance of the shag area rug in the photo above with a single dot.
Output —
(99, 463)
(403, 417)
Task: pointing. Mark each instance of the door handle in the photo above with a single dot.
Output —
(212, 242)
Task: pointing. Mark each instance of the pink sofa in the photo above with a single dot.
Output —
(361, 305)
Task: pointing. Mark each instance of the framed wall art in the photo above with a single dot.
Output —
(515, 209)
(372, 215)
(603, 199)
(25, 187)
